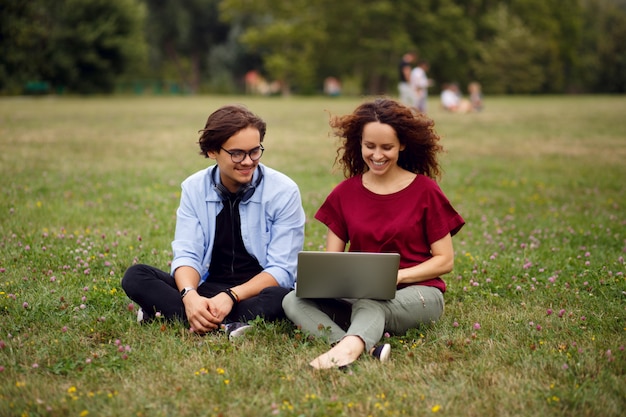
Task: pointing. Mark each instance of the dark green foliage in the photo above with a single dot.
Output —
(80, 46)
(199, 46)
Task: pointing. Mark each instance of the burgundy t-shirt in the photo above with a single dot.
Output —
(405, 222)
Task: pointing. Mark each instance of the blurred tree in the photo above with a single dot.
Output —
(365, 42)
(80, 45)
(510, 46)
(286, 34)
(364, 45)
(444, 35)
(182, 34)
(24, 34)
(602, 52)
(303, 42)
(557, 24)
(512, 61)
(95, 42)
(517, 46)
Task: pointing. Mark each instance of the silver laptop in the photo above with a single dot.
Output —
(347, 275)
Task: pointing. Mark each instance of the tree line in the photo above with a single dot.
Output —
(208, 46)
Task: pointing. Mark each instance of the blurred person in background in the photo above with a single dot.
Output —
(419, 84)
(453, 101)
(405, 92)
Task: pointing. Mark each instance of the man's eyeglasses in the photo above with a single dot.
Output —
(237, 155)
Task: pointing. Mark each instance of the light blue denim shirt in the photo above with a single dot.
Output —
(272, 224)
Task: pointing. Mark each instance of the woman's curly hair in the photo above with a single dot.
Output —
(414, 130)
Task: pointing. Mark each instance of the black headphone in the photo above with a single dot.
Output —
(243, 194)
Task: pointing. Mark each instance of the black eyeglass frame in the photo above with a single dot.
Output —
(238, 155)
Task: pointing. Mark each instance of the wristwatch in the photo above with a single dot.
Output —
(185, 291)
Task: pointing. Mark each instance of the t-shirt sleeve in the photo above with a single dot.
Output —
(331, 214)
(441, 217)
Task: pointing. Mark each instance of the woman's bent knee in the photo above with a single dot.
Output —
(289, 302)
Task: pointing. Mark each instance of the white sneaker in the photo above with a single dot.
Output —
(382, 352)
(236, 329)
(139, 315)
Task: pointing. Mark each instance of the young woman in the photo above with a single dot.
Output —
(389, 202)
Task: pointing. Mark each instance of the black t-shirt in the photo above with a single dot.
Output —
(401, 66)
(230, 262)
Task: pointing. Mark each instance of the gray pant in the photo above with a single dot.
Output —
(367, 319)
(407, 95)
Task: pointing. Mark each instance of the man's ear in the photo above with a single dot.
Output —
(211, 154)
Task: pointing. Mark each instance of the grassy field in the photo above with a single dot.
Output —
(535, 311)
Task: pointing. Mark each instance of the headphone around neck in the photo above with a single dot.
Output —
(243, 194)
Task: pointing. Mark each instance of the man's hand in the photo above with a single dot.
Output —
(206, 314)
(220, 306)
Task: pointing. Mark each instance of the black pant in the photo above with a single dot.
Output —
(155, 291)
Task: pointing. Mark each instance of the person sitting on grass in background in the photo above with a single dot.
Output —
(239, 228)
(389, 202)
(452, 101)
(475, 96)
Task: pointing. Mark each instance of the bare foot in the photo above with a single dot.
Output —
(343, 353)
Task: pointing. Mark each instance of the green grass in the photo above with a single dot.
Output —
(535, 311)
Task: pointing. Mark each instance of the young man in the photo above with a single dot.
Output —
(239, 228)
